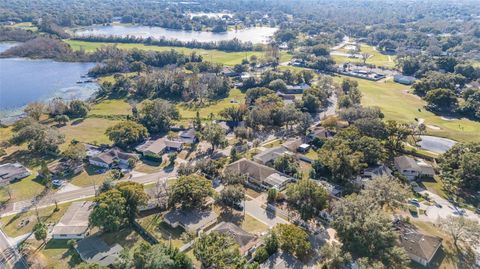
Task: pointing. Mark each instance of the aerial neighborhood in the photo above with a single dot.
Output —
(230, 134)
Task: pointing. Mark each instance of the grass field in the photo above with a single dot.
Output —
(26, 26)
(215, 107)
(397, 103)
(216, 56)
(377, 58)
(110, 107)
(57, 254)
(26, 188)
(90, 130)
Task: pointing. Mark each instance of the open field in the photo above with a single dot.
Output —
(216, 56)
(377, 58)
(213, 107)
(90, 130)
(110, 107)
(397, 103)
(25, 188)
(26, 26)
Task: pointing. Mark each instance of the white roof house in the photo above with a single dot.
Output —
(277, 181)
(12, 171)
(74, 223)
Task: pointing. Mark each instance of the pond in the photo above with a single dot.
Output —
(252, 34)
(23, 81)
(435, 144)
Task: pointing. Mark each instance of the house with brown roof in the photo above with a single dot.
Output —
(74, 223)
(156, 148)
(420, 248)
(245, 240)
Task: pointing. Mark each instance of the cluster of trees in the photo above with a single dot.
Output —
(117, 206)
(460, 168)
(307, 197)
(154, 256)
(364, 228)
(40, 138)
(15, 34)
(224, 45)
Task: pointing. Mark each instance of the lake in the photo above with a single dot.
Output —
(252, 34)
(23, 81)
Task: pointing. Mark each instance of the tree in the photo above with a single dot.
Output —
(217, 250)
(75, 152)
(231, 195)
(441, 100)
(110, 212)
(155, 256)
(307, 197)
(233, 178)
(340, 159)
(287, 165)
(215, 135)
(156, 115)
(190, 191)
(127, 133)
(462, 230)
(386, 191)
(40, 139)
(366, 231)
(254, 93)
(78, 109)
(233, 113)
(278, 85)
(271, 243)
(397, 134)
(62, 119)
(460, 167)
(365, 56)
(334, 257)
(35, 110)
(40, 231)
(134, 195)
(272, 194)
(293, 239)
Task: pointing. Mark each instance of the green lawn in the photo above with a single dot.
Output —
(397, 103)
(23, 189)
(57, 254)
(216, 56)
(161, 230)
(22, 223)
(377, 58)
(214, 107)
(88, 177)
(252, 225)
(89, 130)
(110, 107)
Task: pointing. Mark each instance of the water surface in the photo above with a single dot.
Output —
(252, 34)
(23, 81)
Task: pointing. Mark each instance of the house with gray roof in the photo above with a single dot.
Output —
(282, 260)
(111, 157)
(191, 220)
(259, 174)
(156, 148)
(420, 248)
(245, 240)
(270, 155)
(95, 250)
(12, 171)
(188, 136)
(74, 223)
(413, 169)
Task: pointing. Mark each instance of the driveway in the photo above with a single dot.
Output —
(254, 208)
(433, 213)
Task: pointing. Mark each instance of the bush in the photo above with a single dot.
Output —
(261, 255)
(71, 244)
(272, 195)
(413, 210)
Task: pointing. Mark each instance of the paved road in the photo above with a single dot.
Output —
(433, 213)
(254, 208)
(9, 256)
(78, 194)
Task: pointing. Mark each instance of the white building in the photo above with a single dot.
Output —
(74, 223)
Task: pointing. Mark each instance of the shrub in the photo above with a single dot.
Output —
(261, 255)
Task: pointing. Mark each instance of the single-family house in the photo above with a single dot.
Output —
(191, 220)
(406, 80)
(74, 223)
(413, 169)
(111, 158)
(229, 72)
(188, 136)
(245, 240)
(420, 248)
(270, 155)
(296, 89)
(12, 171)
(319, 132)
(376, 171)
(156, 148)
(259, 174)
(282, 260)
(95, 250)
(59, 169)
